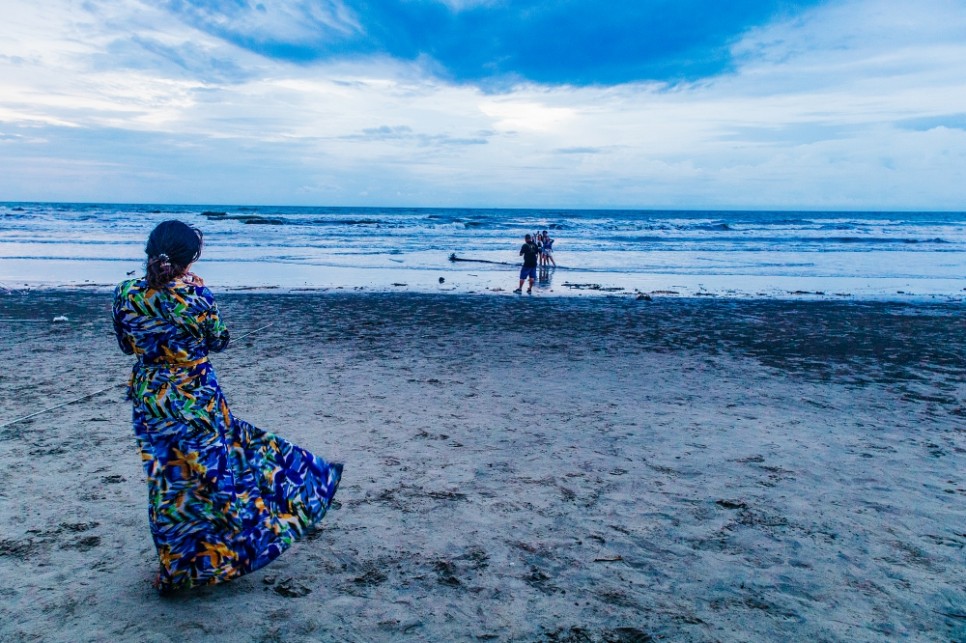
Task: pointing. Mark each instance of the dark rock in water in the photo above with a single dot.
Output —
(375, 222)
(256, 220)
(251, 219)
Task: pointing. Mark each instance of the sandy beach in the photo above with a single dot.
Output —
(518, 469)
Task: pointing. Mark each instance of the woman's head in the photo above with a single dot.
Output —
(172, 247)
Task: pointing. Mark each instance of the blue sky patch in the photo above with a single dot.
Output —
(574, 42)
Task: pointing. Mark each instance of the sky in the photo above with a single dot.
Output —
(677, 104)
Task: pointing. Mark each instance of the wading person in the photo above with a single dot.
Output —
(546, 250)
(529, 252)
(224, 497)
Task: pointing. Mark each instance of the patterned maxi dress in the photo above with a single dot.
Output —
(224, 497)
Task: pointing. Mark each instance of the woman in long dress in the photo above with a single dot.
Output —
(224, 497)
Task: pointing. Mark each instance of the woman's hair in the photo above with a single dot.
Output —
(172, 247)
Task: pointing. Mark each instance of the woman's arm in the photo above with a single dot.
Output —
(216, 332)
(117, 314)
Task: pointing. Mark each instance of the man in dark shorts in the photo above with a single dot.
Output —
(529, 252)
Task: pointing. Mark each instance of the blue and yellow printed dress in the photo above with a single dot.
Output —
(224, 497)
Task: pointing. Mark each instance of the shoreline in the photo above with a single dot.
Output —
(590, 289)
(551, 469)
(751, 255)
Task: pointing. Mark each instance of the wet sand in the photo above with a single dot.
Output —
(519, 469)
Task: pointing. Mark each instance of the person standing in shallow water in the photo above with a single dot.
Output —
(546, 250)
(224, 497)
(529, 252)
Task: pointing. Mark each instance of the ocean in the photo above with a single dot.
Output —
(756, 254)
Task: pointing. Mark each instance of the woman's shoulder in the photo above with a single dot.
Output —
(128, 286)
(192, 291)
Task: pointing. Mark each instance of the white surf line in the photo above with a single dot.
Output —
(57, 406)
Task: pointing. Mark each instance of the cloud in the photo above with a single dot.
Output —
(405, 134)
(840, 104)
(186, 59)
(385, 132)
(955, 121)
(516, 115)
(286, 29)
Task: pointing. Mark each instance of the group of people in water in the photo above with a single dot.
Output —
(545, 246)
(537, 249)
